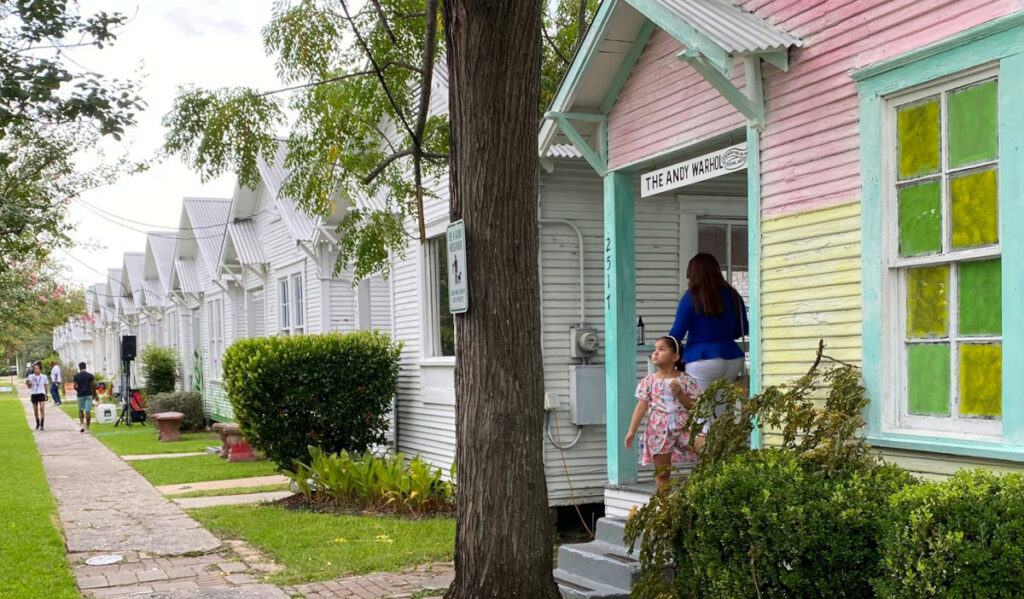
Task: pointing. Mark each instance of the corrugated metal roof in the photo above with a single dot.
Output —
(208, 218)
(133, 262)
(128, 306)
(115, 287)
(187, 275)
(729, 26)
(161, 246)
(242, 234)
(563, 151)
(300, 224)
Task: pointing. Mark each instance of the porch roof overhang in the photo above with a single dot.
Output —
(714, 33)
(241, 249)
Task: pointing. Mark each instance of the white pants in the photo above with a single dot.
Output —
(706, 372)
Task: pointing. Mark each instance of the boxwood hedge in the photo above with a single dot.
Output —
(960, 538)
(333, 391)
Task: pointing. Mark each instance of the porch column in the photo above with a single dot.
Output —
(620, 322)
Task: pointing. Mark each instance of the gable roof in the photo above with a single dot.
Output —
(301, 225)
(157, 265)
(242, 245)
(203, 224)
(185, 277)
(133, 263)
(713, 31)
(115, 287)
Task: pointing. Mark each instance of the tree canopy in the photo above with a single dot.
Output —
(361, 85)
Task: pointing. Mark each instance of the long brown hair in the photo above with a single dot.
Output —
(706, 284)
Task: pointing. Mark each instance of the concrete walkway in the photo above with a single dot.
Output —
(160, 456)
(188, 503)
(231, 483)
(106, 507)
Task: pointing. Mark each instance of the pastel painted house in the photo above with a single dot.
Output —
(859, 146)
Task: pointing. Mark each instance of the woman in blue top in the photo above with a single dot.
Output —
(711, 316)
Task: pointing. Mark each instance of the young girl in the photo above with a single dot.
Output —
(668, 394)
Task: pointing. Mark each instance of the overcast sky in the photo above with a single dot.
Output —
(209, 43)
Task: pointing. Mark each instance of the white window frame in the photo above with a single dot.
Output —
(283, 306)
(432, 301)
(298, 303)
(895, 403)
(215, 313)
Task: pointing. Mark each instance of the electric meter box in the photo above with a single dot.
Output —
(583, 342)
(586, 394)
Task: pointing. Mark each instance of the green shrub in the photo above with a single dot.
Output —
(159, 369)
(188, 403)
(332, 390)
(820, 441)
(772, 524)
(379, 483)
(960, 538)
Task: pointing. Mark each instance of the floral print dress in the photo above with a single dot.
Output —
(666, 418)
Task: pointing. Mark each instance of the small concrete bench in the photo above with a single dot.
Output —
(233, 447)
(167, 424)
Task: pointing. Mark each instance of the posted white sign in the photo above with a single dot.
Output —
(458, 287)
(702, 168)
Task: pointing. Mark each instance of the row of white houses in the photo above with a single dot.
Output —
(255, 265)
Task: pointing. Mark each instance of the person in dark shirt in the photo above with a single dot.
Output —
(85, 387)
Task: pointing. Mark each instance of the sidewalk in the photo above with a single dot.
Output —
(106, 507)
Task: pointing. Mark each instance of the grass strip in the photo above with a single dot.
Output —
(231, 491)
(321, 546)
(141, 440)
(194, 469)
(33, 563)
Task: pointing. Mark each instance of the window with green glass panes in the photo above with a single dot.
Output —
(946, 250)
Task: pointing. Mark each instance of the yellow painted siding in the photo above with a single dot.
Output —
(810, 290)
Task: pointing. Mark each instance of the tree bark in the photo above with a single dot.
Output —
(503, 541)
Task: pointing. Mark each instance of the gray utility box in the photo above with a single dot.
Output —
(586, 394)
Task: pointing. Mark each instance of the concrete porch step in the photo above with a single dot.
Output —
(574, 587)
(601, 563)
(612, 530)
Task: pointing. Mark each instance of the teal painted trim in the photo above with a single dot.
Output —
(779, 60)
(754, 111)
(872, 266)
(1006, 42)
(754, 271)
(585, 54)
(1011, 236)
(620, 323)
(639, 43)
(684, 32)
(976, 449)
(596, 162)
(1003, 40)
(592, 117)
(974, 34)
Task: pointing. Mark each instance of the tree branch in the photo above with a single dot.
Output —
(553, 46)
(377, 170)
(384, 21)
(581, 22)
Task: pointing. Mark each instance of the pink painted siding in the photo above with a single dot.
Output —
(665, 104)
(810, 147)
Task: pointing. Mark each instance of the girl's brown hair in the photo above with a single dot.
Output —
(706, 284)
(676, 346)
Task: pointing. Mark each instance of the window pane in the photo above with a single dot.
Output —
(920, 219)
(298, 309)
(713, 239)
(917, 138)
(975, 209)
(283, 300)
(981, 298)
(981, 380)
(972, 124)
(928, 379)
(446, 320)
(927, 302)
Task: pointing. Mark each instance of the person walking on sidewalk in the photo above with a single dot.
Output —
(56, 380)
(85, 387)
(36, 383)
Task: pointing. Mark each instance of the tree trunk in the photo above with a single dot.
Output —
(503, 541)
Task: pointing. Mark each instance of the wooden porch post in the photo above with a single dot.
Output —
(620, 322)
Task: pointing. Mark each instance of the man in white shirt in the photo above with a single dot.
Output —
(36, 383)
(55, 383)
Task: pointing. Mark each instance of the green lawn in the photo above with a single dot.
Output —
(140, 440)
(193, 469)
(317, 546)
(32, 556)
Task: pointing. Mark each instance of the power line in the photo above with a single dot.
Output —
(152, 225)
(168, 234)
